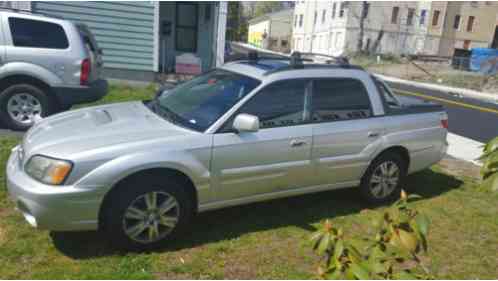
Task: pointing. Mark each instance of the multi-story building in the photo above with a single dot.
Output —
(271, 31)
(335, 27)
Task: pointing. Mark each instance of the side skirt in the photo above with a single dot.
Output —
(274, 195)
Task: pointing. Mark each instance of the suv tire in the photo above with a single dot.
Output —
(130, 222)
(382, 181)
(20, 103)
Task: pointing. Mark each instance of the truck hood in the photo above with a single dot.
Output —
(66, 134)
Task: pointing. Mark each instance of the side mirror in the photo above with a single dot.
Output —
(246, 123)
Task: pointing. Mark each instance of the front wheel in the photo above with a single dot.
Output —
(143, 218)
(382, 180)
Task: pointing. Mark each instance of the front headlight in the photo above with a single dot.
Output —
(48, 170)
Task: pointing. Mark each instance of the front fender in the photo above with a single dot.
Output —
(29, 69)
(195, 166)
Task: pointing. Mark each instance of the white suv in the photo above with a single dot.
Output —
(46, 65)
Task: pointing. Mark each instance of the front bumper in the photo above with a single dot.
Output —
(58, 208)
(71, 95)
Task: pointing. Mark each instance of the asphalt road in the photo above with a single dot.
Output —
(467, 117)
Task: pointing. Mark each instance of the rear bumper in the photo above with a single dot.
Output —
(58, 208)
(71, 95)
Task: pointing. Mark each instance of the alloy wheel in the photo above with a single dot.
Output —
(24, 108)
(384, 179)
(151, 217)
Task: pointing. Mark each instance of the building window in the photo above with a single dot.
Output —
(186, 27)
(423, 14)
(314, 18)
(334, 8)
(341, 9)
(409, 18)
(394, 15)
(324, 12)
(435, 18)
(300, 20)
(295, 21)
(364, 13)
(456, 23)
(470, 24)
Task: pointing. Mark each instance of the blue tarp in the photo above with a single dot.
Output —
(484, 60)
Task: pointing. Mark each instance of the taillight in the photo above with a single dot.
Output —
(444, 123)
(85, 71)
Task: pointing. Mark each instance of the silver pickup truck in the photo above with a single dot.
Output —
(249, 131)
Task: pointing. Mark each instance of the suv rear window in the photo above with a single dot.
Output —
(37, 34)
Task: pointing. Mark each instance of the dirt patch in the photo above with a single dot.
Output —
(459, 167)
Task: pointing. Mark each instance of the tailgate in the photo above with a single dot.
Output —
(94, 51)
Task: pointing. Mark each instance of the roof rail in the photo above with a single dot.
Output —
(339, 60)
(29, 12)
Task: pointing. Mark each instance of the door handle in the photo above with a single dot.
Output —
(373, 134)
(297, 143)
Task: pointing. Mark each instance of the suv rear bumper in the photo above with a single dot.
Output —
(70, 95)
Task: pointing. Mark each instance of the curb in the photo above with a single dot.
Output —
(493, 98)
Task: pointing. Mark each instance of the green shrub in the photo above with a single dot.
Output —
(394, 251)
(489, 169)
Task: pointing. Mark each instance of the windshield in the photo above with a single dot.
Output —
(198, 103)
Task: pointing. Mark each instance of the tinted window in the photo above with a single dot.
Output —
(38, 34)
(279, 104)
(391, 101)
(339, 99)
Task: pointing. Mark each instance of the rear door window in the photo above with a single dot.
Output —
(338, 99)
(37, 34)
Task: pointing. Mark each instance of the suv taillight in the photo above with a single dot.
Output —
(85, 71)
(444, 123)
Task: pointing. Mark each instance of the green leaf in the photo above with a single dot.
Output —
(359, 271)
(490, 183)
(491, 146)
(324, 244)
(339, 249)
(422, 223)
(316, 238)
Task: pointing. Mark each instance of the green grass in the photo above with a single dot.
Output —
(264, 240)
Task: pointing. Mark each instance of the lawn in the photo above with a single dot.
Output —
(264, 240)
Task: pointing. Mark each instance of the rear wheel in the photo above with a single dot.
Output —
(139, 217)
(383, 178)
(22, 104)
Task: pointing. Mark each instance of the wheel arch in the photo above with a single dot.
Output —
(155, 172)
(397, 149)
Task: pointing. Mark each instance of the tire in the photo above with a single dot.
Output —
(120, 220)
(379, 187)
(24, 101)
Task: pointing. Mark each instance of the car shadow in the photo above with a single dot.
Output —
(230, 223)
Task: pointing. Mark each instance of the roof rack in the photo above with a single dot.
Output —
(253, 56)
(332, 59)
(29, 12)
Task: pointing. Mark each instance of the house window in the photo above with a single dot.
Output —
(334, 8)
(366, 7)
(300, 20)
(409, 18)
(186, 27)
(394, 15)
(470, 24)
(456, 23)
(435, 18)
(324, 12)
(341, 10)
(423, 14)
